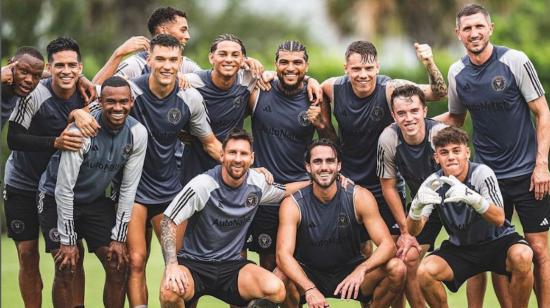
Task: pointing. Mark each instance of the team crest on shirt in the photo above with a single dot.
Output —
(252, 200)
(302, 118)
(17, 226)
(127, 151)
(54, 235)
(174, 116)
(264, 240)
(377, 113)
(498, 83)
(237, 102)
(343, 220)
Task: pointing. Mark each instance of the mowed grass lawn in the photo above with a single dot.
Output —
(95, 277)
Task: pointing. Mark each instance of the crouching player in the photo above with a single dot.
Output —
(318, 242)
(72, 203)
(469, 204)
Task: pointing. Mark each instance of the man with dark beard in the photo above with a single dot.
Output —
(283, 124)
(318, 245)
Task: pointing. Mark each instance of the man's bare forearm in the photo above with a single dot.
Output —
(168, 240)
(437, 82)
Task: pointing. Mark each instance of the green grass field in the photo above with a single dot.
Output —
(95, 277)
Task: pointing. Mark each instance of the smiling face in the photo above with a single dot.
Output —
(116, 103)
(453, 159)
(237, 157)
(227, 59)
(409, 114)
(474, 31)
(323, 166)
(362, 73)
(291, 68)
(65, 69)
(177, 28)
(26, 74)
(164, 63)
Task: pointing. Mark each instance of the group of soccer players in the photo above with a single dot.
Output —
(166, 139)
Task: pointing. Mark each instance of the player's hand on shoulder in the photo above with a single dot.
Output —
(85, 122)
(268, 175)
(264, 83)
(133, 44)
(66, 257)
(254, 66)
(349, 287)
(7, 73)
(87, 89)
(314, 116)
(175, 279)
(69, 140)
(183, 81)
(345, 181)
(118, 250)
(540, 181)
(424, 53)
(315, 299)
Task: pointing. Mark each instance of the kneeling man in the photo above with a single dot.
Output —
(469, 204)
(318, 242)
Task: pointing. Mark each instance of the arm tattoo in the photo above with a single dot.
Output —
(168, 240)
(437, 82)
(396, 83)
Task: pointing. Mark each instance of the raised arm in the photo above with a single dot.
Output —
(133, 44)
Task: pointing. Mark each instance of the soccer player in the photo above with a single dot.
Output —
(470, 206)
(406, 148)
(19, 78)
(283, 124)
(72, 201)
(361, 101)
(319, 241)
(220, 205)
(500, 88)
(36, 129)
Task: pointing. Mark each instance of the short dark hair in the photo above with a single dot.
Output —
(238, 134)
(408, 91)
(291, 46)
(161, 16)
(365, 49)
(472, 9)
(227, 37)
(115, 82)
(28, 50)
(450, 135)
(321, 142)
(62, 44)
(165, 40)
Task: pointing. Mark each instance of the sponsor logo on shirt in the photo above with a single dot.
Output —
(231, 223)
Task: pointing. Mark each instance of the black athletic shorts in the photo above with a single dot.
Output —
(431, 230)
(218, 279)
(468, 261)
(21, 214)
(387, 215)
(326, 282)
(92, 222)
(154, 210)
(534, 214)
(262, 234)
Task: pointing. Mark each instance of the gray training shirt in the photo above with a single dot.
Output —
(219, 215)
(86, 174)
(496, 93)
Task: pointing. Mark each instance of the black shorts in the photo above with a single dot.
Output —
(468, 261)
(92, 222)
(326, 282)
(431, 230)
(534, 214)
(154, 210)
(387, 215)
(262, 234)
(21, 214)
(218, 279)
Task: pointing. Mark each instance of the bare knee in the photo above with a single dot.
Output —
(114, 272)
(274, 289)
(138, 261)
(521, 258)
(426, 273)
(397, 271)
(168, 297)
(412, 259)
(540, 250)
(28, 259)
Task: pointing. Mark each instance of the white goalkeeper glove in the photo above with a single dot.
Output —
(461, 193)
(426, 195)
